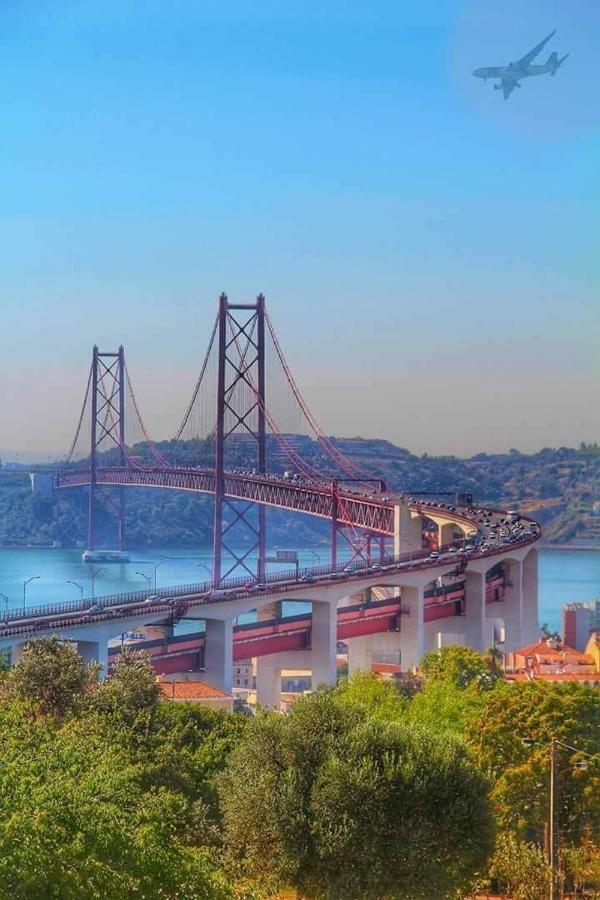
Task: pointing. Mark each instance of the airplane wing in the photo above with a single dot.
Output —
(508, 87)
(524, 62)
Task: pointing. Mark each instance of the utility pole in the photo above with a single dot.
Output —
(552, 836)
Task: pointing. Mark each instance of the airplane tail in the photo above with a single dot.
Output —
(554, 63)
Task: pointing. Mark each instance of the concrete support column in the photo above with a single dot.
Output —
(408, 530)
(531, 624)
(268, 669)
(413, 628)
(268, 681)
(218, 653)
(374, 648)
(445, 533)
(95, 651)
(475, 612)
(512, 613)
(15, 652)
(323, 640)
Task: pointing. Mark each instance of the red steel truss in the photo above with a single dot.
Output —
(355, 511)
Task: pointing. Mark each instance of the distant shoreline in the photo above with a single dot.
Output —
(579, 547)
(21, 547)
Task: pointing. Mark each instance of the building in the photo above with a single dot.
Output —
(243, 674)
(552, 660)
(576, 624)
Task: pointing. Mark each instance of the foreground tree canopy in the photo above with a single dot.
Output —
(101, 798)
(366, 791)
(341, 806)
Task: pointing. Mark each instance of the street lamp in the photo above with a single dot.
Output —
(156, 566)
(93, 573)
(206, 569)
(553, 830)
(77, 585)
(146, 578)
(25, 583)
(5, 598)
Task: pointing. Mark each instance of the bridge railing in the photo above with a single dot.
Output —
(285, 581)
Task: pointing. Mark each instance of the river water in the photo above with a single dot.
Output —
(564, 575)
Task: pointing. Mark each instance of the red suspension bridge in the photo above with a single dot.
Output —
(248, 424)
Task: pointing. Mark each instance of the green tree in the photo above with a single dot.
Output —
(338, 805)
(380, 699)
(130, 694)
(445, 708)
(538, 710)
(79, 820)
(460, 666)
(520, 868)
(50, 676)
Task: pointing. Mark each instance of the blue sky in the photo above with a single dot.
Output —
(429, 252)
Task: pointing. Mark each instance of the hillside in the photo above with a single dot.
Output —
(557, 486)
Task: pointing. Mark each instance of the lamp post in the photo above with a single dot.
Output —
(5, 598)
(25, 583)
(93, 573)
(77, 585)
(206, 569)
(157, 565)
(146, 578)
(553, 824)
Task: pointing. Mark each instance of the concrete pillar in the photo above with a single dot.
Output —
(413, 631)
(475, 612)
(445, 533)
(531, 623)
(218, 653)
(511, 610)
(268, 681)
(268, 670)
(408, 530)
(15, 652)
(374, 648)
(323, 641)
(95, 651)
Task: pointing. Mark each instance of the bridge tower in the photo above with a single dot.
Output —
(107, 432)
(241, 420)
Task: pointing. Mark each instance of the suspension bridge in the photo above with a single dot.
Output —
(248, 438)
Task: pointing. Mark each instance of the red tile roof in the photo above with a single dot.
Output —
(385, 668)
(191, 690)
(554, 676)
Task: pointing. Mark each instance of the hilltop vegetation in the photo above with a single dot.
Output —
(557, 486)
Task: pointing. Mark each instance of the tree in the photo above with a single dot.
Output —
(520, 868)
(130, 694)
(538, 710)
(379, 699)
(460, 666)
(78, 818)
(339, 805)
(50, 676)
(445, 708)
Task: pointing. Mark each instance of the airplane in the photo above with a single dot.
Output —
(511, 75)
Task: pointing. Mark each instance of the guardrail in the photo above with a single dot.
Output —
(285, 582)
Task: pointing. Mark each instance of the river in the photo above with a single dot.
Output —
(564, 575)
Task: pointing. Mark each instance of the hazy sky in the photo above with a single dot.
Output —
(429, 252)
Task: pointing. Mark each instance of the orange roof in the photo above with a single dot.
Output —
(542, 648)
(553, 676)
(191, 690)
(385, 668)
(572, 676)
